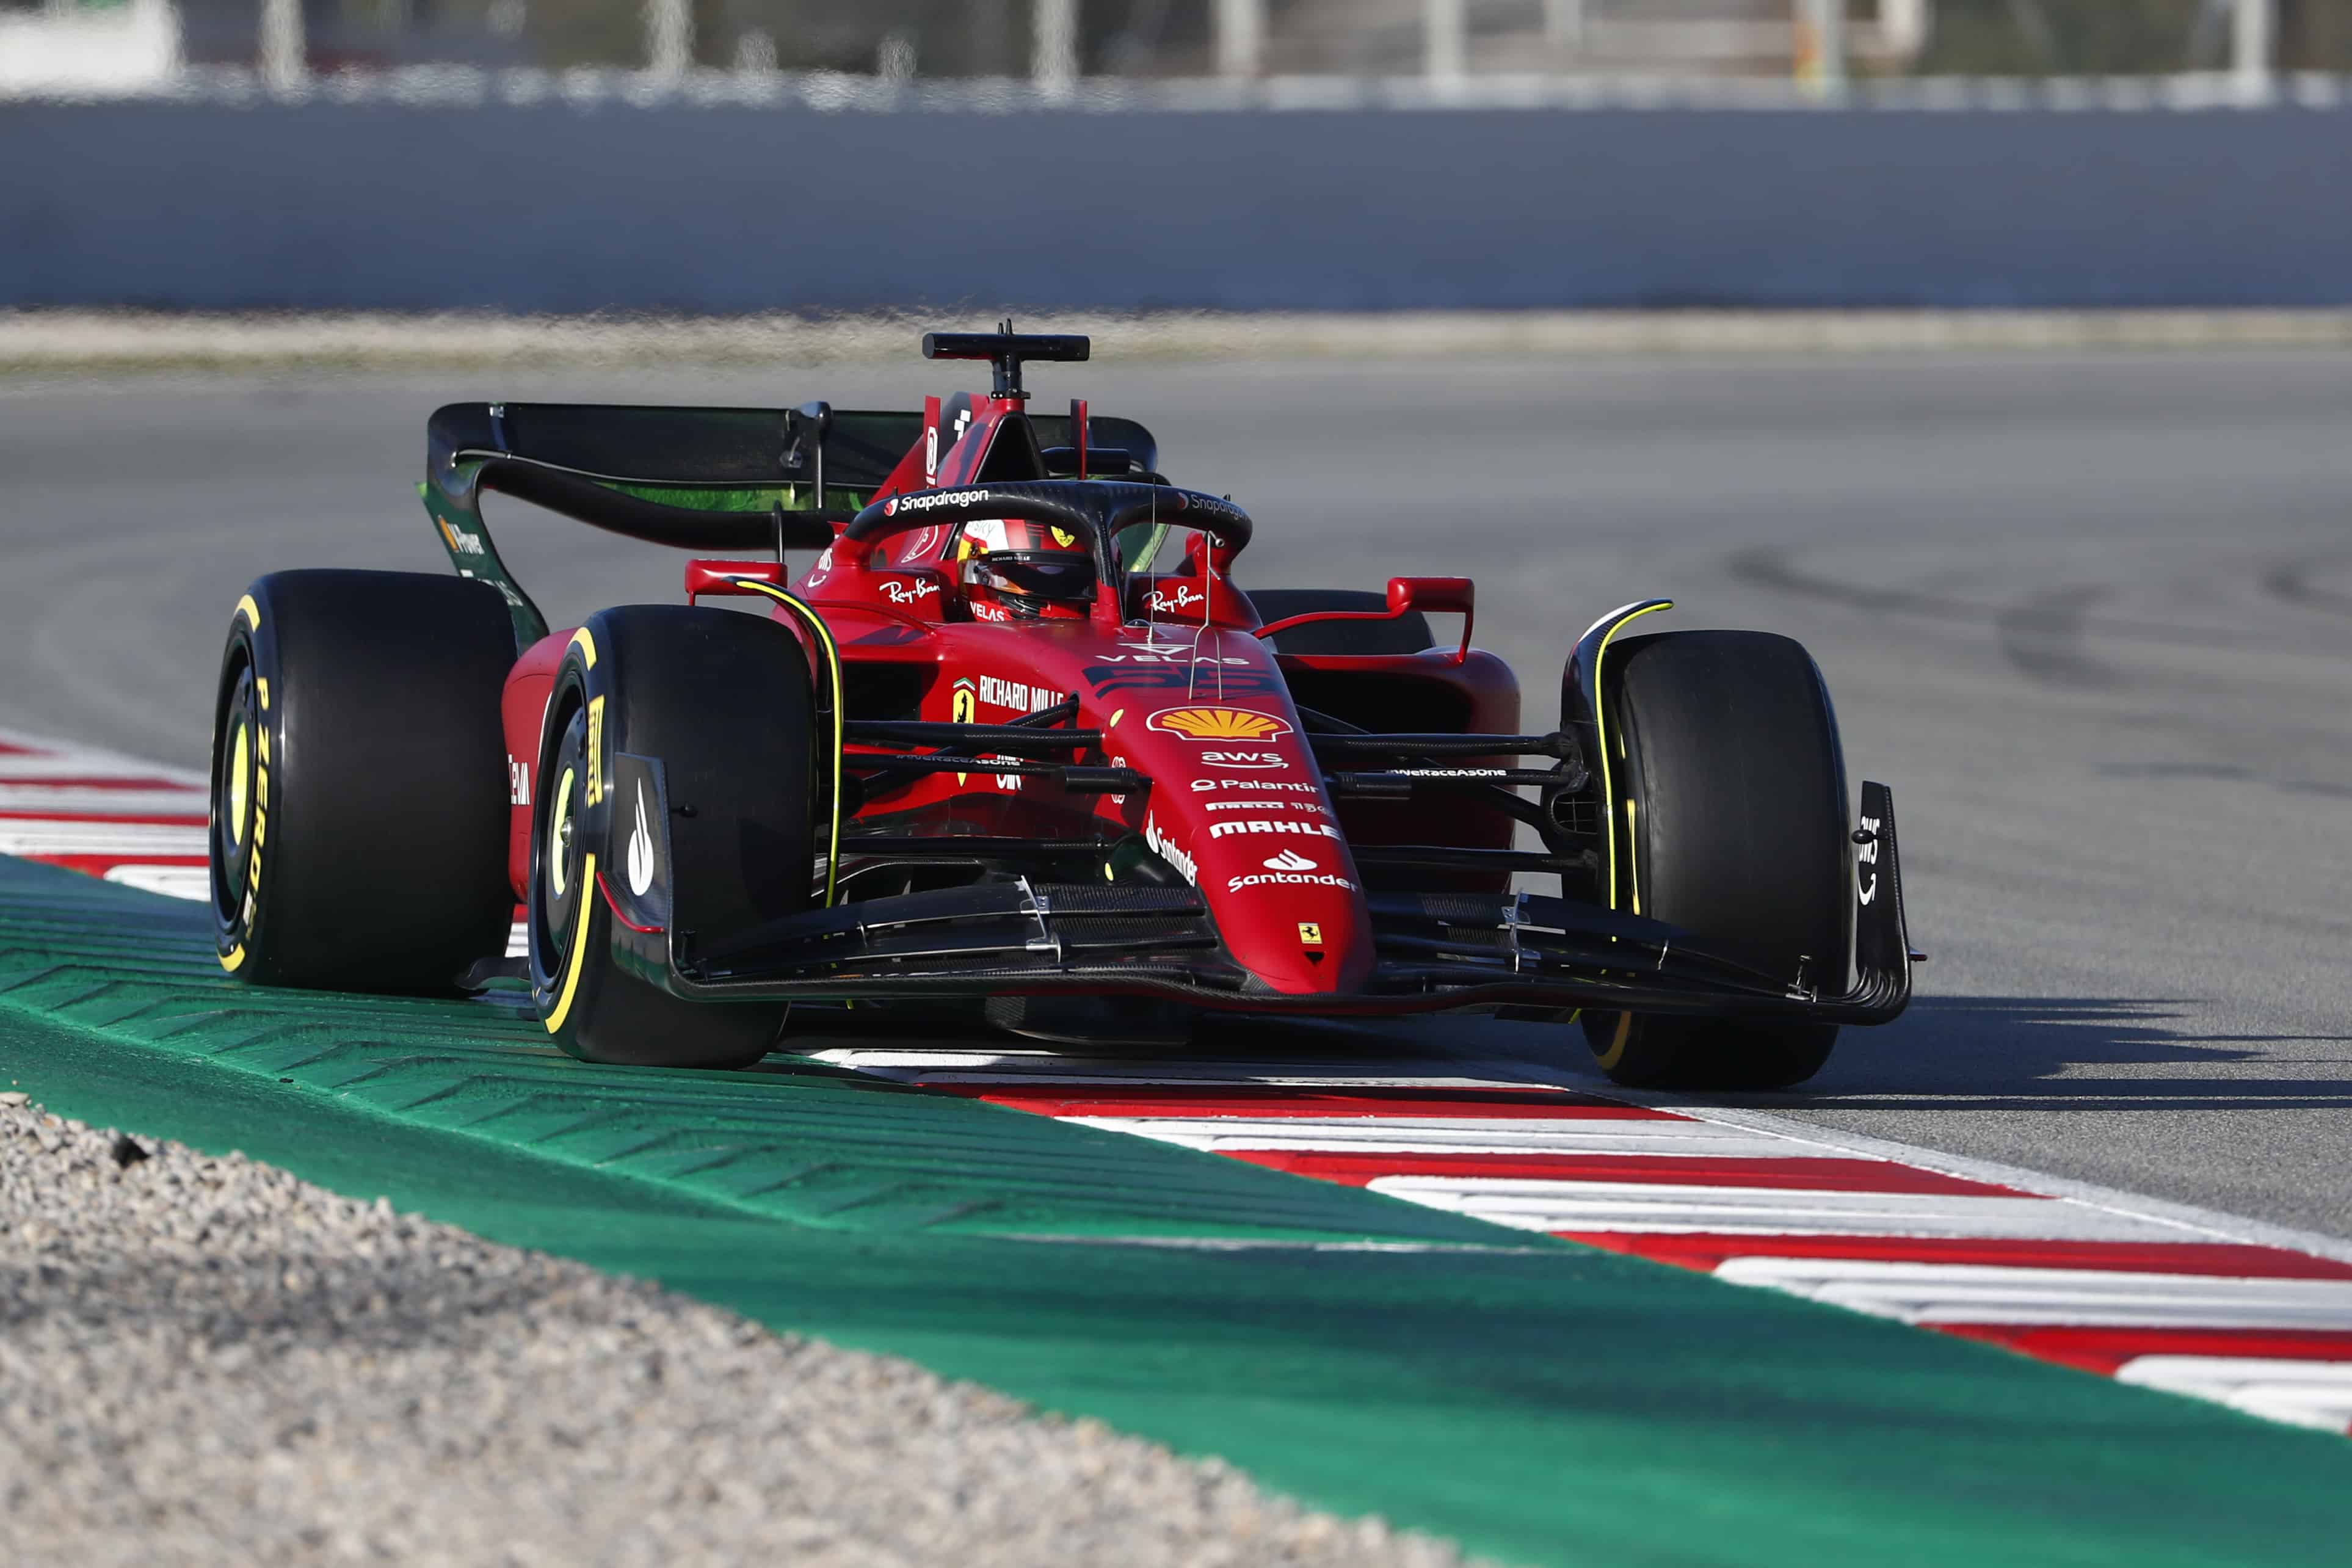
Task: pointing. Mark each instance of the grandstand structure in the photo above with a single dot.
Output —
(115, 46)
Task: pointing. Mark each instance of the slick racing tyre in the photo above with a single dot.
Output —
(359, 782)
(722, 701)
(1730, 822)
(1409, 633)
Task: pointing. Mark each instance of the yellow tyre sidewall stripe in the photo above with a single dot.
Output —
(1600, 735)
(578, 956)
(1623, 1035)
(824, 635)
(1617, 1043)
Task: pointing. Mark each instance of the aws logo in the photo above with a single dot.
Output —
(1208, 723)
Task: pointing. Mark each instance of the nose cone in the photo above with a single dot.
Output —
(1284, 892)
(1237, 808)
(1301, 946)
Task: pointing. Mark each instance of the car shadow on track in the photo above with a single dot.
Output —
(2010, 1053)
(2023, 1053)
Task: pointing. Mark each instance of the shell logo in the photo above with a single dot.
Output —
(1217, 724)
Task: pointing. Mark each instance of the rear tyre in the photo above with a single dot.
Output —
(1409, 633)
(724, 702)
(359, 782)
(1731, 820)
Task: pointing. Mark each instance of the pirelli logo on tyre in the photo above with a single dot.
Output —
(1217, 723)
(594, 794)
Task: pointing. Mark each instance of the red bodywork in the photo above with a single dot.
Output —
(1184, 693)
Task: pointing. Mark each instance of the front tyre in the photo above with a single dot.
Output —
(722, 700)
(359, 784)
(1730, 820)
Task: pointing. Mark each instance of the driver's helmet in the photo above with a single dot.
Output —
(1027, 569)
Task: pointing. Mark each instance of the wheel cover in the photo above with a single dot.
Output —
(240, 778)
(561, 849)
(236, 795)
(561, 829)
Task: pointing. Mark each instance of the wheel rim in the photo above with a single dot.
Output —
(562, 833)
(236, 796)
(240, 778)
(562, 847)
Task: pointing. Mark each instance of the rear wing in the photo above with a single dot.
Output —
(720, 480)
(725, 480)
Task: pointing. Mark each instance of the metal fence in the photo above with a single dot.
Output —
(1280, 53)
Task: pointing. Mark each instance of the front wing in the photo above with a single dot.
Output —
(1025, 936)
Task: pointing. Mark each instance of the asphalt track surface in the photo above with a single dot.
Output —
(2091, 616)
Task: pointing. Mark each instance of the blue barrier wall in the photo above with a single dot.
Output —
(721, 210)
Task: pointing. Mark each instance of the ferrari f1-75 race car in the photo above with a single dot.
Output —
(1016, 748)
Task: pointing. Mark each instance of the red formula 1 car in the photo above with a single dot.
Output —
(1018, 747)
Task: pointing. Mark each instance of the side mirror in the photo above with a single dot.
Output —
(1441, 595)
(721, 577)
(1444, 595)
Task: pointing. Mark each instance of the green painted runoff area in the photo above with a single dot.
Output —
(1539, 1402)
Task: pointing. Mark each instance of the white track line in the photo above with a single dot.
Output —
(2188, 1222)
(62, 802)
(1965, 1293)
(172, 881)
(1633, 1207)
(127, 840)
(2301, 1393)
(20, 752)
(1304, 1134)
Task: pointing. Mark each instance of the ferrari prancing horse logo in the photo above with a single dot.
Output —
(961, 709)
(1206, 723)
